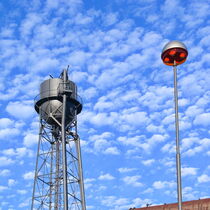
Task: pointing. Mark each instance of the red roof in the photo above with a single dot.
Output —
(187, 205)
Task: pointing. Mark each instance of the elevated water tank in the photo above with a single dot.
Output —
(49, 102)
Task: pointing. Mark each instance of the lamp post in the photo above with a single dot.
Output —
(175, 53)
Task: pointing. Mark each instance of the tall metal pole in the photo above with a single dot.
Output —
(51, 172)
(37, 160)
(82, 191)
(178, 158)
(63, 131)
(57, 174)
(175, 53)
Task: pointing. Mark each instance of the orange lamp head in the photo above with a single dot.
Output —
(174, 53)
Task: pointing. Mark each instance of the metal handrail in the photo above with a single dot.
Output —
(38, 97)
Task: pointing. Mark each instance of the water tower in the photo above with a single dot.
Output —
(58, 182)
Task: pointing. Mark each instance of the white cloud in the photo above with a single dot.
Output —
(22, 192)
(121, 201)
(189, 171)
(169, 119)
(110, 19)
(10, 93)
(8, 133)
(153, 141)
(148, 190)
(169, 148)
(167, 8)
(11, 182)
(30, 139)
(203, 178)
(89, 93)
(203, 101)
(187, 87)
(19, 152)
(100, 144)
(193, 151)
(5, 123)
(148, 162)
(133, 181)
(134, 141)
(168, 162)
(5, 161)
(52, 4)
(183, 102)
(81, 19)
(23, 151)
(102, 119)
(113, 201)
(106, 177)
(44, 64)
(9, 128)
(184, 124)
(193, 111)
(79, 76)
(9, 152)
(158, 184)
(202, 119)
(163, 184)
(140, 141)
(156, 97)
(29, 23)
(126, 170)
(3, 188)
(189, 193)
(150, 39)
(188, 142)
(104, 135)
(103, 105)
(136, 118)
(21, 109)
(102, 188)
(89, 182)
(90, 207)
(78, 57)
(130, 96)
(5, 172)
(202, 145)
(140, 202)
(157, 138)
(28, 175)
(155, 129)
(88, 185)
(24, 204)
(29, 82)
(112, 151)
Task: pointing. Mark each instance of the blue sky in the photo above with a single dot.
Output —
(127, 123)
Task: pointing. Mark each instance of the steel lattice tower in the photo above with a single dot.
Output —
(58, 182)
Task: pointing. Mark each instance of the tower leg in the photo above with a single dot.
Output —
(81, 182)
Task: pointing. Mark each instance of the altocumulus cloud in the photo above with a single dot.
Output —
(21, 109)
(127, 122)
